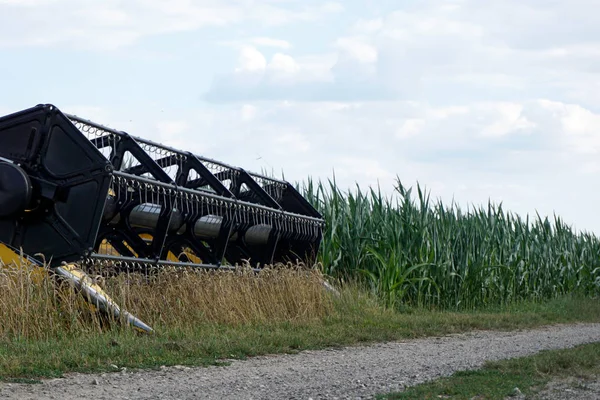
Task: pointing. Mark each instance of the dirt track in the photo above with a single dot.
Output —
(353, 372)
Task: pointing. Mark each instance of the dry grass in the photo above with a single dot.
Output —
(183, 298)
(35, 307)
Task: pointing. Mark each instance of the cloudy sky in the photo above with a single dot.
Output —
(476, 100)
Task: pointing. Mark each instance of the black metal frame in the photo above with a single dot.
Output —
(176, 181)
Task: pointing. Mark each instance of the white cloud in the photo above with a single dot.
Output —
(454, 51)
(283, 63)
(292, 142)
(427, 23)
(509, 119)
(535, 24)
(316, 68)
(92, 113)
(107, 25)
(283, 68)
(174, 133)
(410, 127)
(253, 68)
(26, 3)
(270, 42)
(168, 129)
(580, 126)
(259, 41)
(361, 169)
(255, 78)
(274, 12)
(590, 167)
(356, 48)
(445, 112)
(113, 24)
(248, 112)
(251, 60)
(383, 58)
(331, 7)
(368, 25)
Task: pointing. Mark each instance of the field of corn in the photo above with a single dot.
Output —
(413, 251)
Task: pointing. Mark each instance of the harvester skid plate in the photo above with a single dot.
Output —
(74, 191)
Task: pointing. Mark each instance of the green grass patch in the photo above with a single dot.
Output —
(356, 318)
(498, 379)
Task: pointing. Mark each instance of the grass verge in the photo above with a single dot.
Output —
(352, 318)
(498, 379)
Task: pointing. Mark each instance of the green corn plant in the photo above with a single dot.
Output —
(390, 282)
(414, 250)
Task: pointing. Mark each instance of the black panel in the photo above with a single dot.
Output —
(70, 180)
(20, 135)
(79, 211)
(293, 201)
(63, 155)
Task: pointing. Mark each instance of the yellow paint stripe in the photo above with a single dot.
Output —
(11, 259)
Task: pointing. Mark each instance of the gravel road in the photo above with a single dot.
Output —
(348, 373)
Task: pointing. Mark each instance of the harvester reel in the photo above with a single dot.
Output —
(74, 191)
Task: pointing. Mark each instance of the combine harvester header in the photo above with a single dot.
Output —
(76, 192)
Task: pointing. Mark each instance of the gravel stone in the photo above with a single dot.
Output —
(570, 389)
(359, 372)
